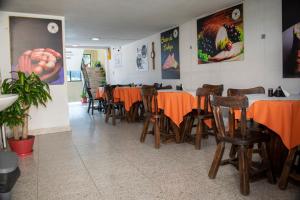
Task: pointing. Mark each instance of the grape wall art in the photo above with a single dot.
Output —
(220, 36)
(37, 46)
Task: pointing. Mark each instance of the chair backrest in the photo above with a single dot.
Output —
(149, 96)
(124, 85)
(232, 104)
(241, 92)
(109, 92)
(166, 87)
(215, 89)
(85, 76)
(94, 78)
(203, 95)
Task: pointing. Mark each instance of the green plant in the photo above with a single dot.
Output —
(98, 64)
(32, 92)
(13, 117)
(83, 94)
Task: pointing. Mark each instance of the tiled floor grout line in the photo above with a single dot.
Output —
(88, 172)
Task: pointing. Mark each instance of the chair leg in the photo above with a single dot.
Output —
(233, 151)
(89, 106)
(198, 136)
(244, 171)
(113, 115)
(266, 160)
(145, 130)
(92, 107)
(283, 180)
(185, 129)
(108, 112)
(157, 134)
(214, 127)
(217, 160)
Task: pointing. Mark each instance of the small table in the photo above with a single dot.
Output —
(131, 97)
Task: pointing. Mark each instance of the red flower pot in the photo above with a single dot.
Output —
(84, 100)
(22, 147)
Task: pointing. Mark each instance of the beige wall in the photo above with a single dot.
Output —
(74, 91)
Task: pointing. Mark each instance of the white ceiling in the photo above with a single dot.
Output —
(116, 22)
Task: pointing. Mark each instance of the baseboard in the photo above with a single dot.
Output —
(50, 130)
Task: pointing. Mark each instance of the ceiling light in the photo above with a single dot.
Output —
(75, 45)
(95, 39)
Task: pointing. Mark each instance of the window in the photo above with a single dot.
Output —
(73, 76)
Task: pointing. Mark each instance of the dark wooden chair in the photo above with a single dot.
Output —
(91, 98)
(201, 114)
(241, 92)
(215, 89)
(251, 123)
(243, 138)
(112, 106)
(151, 114)
(291, 169)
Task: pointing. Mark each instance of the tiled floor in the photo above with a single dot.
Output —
(99, 161)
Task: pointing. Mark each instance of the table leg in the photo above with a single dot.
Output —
(283, 181)
(176, 131)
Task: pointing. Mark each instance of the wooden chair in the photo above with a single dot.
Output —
(241, 92)
(149, 96)
(112, 106)
(215, 89)
(202, 114)
(290, 169)
(243, 138)
(91, 92)
(251, 123)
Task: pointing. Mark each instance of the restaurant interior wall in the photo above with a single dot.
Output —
(262, 64)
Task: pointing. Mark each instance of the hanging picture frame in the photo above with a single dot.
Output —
(37, 46)
(220, 36)
(170, 60)
(142, 58)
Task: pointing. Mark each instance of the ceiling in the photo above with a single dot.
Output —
(115, 22)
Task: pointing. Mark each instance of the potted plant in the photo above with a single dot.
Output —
(32, 92)
(83, 96)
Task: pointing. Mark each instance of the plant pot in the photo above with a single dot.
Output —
(22, 147)
(84, 100)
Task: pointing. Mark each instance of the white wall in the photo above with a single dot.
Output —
(53, 118)
(262, 64)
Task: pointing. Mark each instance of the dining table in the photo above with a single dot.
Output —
(132, 99)
(281, 115)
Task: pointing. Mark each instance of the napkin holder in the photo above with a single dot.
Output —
(279, 92)
(179, 87)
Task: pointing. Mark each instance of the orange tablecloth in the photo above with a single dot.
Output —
(128, 95)
(100, 93)
(176, 104)
(283, 117)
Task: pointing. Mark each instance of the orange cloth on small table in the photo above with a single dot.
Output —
(283, 117)
(100, 93)
(176, 104)
(127, 95)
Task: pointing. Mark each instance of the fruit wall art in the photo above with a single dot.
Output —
(291, 38)
(37, 46)
(221, 36)
(170, 54)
